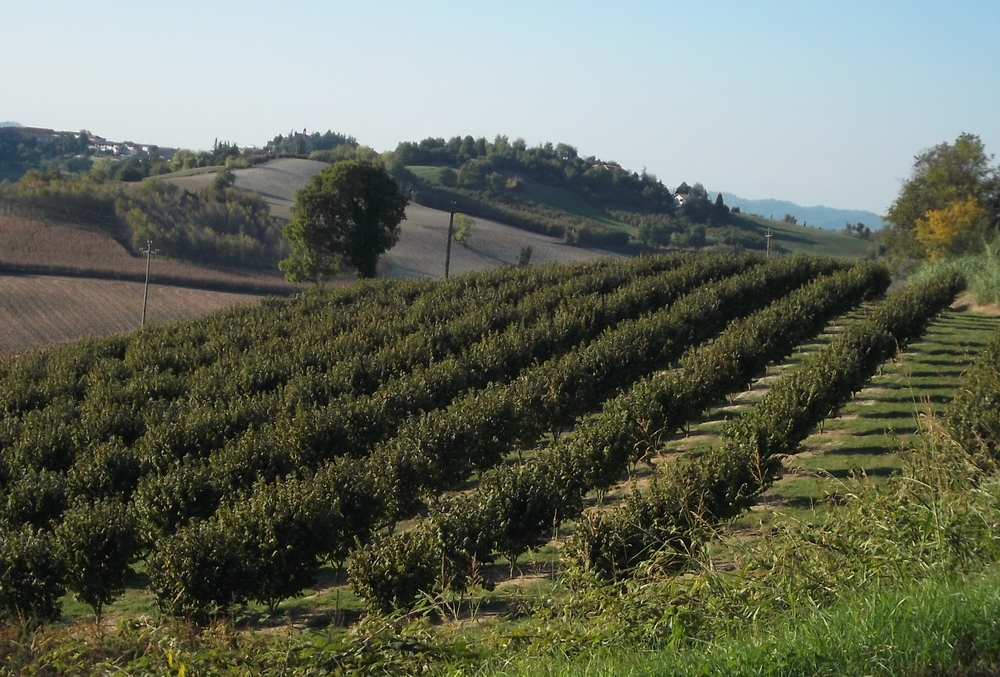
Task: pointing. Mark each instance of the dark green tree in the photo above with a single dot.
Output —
(720, 212)
(31, 576)
(99, 542)
(349, 213)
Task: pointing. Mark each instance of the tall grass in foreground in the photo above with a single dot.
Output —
(931, 627)
(981, 271)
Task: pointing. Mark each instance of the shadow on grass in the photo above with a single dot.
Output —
(802, 502)
(875, 415)
(878, 471)
(870, 432)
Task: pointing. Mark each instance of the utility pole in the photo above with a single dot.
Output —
(148, 251)
(768, 236)
(447, 256)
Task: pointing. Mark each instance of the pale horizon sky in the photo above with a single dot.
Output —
(813, 102)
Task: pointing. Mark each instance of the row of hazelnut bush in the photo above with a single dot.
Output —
(973, 417)
(66, 457)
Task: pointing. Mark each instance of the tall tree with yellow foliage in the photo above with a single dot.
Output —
(936, 211)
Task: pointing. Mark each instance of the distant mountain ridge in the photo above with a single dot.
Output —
(827, 218)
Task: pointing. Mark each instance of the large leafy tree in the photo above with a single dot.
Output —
(349, 213)
(932, 213)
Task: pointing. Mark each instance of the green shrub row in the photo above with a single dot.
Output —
(310, 327)
(76, 436)
(437, 450)
(189, 388)
(309, 436)
(973, 417)
(723, 482)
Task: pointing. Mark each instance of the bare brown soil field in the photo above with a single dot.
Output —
(37, 247)
(38, 311)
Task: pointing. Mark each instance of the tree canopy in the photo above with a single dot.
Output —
(348, 214)
(950, 204)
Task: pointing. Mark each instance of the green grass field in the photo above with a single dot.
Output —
(795, 238)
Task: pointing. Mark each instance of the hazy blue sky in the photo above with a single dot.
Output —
(814, 102)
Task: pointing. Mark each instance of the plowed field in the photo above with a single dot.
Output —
(38, 311)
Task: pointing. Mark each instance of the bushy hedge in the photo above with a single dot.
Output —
(973, 417)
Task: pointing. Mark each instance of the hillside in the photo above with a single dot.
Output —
(276, 181)
(801, 239)
(41, 247)
(420, 251)
(497, 243)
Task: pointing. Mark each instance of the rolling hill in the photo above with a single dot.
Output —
(494, 243)
(423, 238)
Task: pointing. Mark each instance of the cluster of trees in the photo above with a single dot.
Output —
(858, 229)
(302, 143)
(949, 206)
(495, 174)
(218, 224)
(222, 153)
(20, 152)
(478, 163)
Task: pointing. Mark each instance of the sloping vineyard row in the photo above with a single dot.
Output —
(973, 419)
(723, 482)
(319, 327)
(516, 505)
(325, 515)
(176, 465)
